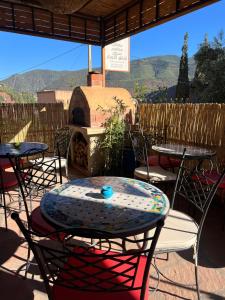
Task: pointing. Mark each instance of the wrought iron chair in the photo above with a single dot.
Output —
(35, 177)
(62, 142)
(41, 175)
(8, 182)
(211, 175)
(158, 135)
(82, 271)
(144, 171)
(181, 231)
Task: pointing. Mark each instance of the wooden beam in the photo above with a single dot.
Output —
(157, 9)
(140, 11)
(177, 5)
(42, 23)
(13, 16)
(162, 19)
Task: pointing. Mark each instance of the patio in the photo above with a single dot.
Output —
(179, 267)
(101, 23)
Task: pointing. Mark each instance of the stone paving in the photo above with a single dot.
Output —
(179, 267)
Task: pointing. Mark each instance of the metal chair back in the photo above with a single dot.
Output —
(139, 146)
(92, 268)
(34, 175)
(195, 187)
(62, 140)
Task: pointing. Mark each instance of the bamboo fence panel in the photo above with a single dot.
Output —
(194, 124)
(31, 122)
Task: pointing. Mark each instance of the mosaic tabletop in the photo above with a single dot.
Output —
(192, 152)
(134, 207)
(22, 149)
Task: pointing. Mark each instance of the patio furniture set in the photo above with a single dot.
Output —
(90, 244)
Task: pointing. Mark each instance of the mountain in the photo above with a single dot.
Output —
(152, 71)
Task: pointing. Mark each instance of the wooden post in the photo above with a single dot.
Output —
(103, 66)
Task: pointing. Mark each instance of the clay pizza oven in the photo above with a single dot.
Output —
(87, 120)
(86, 100)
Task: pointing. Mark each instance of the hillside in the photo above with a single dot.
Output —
(9, 95)
(153, 72)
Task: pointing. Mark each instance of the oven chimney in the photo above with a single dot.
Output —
(94, 79)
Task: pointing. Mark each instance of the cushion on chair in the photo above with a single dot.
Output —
(9, 179)
(163, 161)
(5, 163)
(179, 232)
(210, 177)
(48, 162)
(156, 173)
(62, 293)
(39, 224)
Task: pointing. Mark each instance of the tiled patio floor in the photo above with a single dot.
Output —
(179, 267)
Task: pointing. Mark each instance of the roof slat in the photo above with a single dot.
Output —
(100, 22)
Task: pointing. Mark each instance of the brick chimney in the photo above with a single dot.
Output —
(94, 79)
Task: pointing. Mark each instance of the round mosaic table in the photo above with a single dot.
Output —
(135, 206)
(176, 150)
(23, 149)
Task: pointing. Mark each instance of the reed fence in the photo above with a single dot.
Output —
(31, 122)
(195, 124)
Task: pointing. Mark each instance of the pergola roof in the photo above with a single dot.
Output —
(97, 22)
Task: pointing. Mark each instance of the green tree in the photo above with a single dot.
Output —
(140, 95)
(140, 92)
(208, 83)
(160, 95)
(183, 88)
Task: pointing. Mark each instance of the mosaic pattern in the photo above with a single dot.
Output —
(79, 203)
(21, 149)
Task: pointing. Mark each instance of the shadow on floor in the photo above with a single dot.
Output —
(9, 241)
(212, 243)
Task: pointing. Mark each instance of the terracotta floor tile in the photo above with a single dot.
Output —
(179, 267)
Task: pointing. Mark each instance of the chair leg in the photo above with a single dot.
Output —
(20, 201)
(196, 270)
(67, 172)
(5, 209)
(173, 281)
(223, 228)
(27, 263)
(154, 289)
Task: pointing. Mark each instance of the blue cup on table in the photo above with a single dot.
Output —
(107, 191)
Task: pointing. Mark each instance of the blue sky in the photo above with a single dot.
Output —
(20, 53)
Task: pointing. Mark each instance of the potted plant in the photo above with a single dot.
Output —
(113, 140)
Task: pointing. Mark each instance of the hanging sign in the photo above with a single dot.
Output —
(117, 56)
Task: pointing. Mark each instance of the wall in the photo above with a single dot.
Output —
(46, 97)
(55, 96)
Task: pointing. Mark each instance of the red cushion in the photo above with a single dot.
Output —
(211, 177)
(163, 161)
(39, 224)
(5, 163)
(63, 293)
(9, 180)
